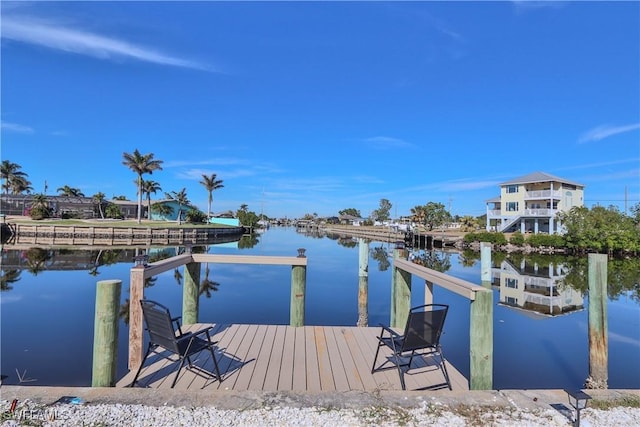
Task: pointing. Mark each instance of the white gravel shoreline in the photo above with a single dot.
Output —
(427, 414)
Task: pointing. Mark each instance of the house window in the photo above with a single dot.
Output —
(512, 206)
(512, 188)
(511, 283)
(511, 300)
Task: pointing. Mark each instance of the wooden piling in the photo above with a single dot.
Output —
(363, 283)
(135, 316)
(598, 334)
(105, 337)
(400, 292)
(481, 341)
(190, 293)
(298, 289)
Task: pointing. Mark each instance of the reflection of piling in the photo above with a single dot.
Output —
(598, 341)
(298, 289)
(190, 293)
(363, 282)
(485, 264)
(400, 292)
(105, 338)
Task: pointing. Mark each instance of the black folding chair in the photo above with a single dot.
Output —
(421, 334)
(162, 333)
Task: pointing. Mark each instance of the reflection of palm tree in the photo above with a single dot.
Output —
(36, 259)
(380, 254)
(468, 258)
(178, 276)
(248, 241)
(207, 285)
(94, 271)
(124, 311)
(8, 277)
(150, 281)
(436, 261)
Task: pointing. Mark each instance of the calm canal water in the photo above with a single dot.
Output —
(540, 329)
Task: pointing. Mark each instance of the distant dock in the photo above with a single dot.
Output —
(416, 239)
(46, 234)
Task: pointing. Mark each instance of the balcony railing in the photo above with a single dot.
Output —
(542, 194)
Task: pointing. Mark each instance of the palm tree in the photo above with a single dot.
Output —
(141, 164)
(70, 191)
(19, 185)
(149, 187)
(181, 198)
(10, 171)
(210, 183)
(99, 198)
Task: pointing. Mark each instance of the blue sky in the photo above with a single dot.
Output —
(314, 107)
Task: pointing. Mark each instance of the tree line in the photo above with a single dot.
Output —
(15, 181)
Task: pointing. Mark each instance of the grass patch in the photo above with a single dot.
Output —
(630, 401)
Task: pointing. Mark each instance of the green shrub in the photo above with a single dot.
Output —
(548, 240)
(517, 239)
(195, 216)
(113, 211)
(486, 236)
(39, 212)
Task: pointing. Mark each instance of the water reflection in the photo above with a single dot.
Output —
(536, 287)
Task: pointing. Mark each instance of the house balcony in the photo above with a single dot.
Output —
(529, 213)
(542, 194)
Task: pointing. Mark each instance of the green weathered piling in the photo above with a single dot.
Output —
(298, 289)
(190, 293)
(400, 293)
(598, 338)
(481, 341)
(105, 337)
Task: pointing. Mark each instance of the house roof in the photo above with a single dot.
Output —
(539, 177)
(493, 200)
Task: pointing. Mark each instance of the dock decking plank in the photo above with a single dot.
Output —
(324, 363)
(272, 376)
(299, 377)
(312, 368)
(308, 358)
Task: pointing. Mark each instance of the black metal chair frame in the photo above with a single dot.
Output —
(162, 333)
(422, 332)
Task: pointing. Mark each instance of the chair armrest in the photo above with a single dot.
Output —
(389, 330)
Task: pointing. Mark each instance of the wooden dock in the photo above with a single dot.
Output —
(60, 235)
(286, 358)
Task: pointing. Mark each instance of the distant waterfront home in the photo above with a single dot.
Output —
(128, 208)
(529, 204)
(171, 214)
(61, 206)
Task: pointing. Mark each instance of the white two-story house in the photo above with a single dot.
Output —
(530, 203)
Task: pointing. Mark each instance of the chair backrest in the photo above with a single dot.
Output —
(424, 326)
(159, 325)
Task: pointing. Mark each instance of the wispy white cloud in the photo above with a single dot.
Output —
(522, 6)
(55, 36)
(605, 131)
(634, 160)
(15, 127)
(385, 142)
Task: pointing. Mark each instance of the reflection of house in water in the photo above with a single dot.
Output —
(534, 287)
